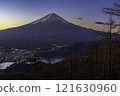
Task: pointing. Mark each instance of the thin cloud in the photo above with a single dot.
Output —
(79, 18)
(101, 23)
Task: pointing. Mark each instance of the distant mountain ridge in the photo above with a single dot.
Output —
(49, 29)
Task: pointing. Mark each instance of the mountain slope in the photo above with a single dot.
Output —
(49, 29)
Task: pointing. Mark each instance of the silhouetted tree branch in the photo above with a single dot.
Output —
(113, 11)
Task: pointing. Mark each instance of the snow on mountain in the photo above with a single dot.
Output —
(52, 17)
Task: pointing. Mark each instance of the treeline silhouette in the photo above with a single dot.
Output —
(99, 63)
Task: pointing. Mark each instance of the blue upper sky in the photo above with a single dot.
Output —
(19, 12)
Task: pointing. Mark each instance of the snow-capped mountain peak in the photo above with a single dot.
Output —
(52, 18)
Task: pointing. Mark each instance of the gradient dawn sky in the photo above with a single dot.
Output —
(81, 12)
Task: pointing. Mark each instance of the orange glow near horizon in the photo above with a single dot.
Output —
(7, 26)
(92, 26)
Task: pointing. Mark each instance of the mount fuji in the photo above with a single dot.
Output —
(51, 29)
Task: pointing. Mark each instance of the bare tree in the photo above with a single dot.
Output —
(111, 26)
